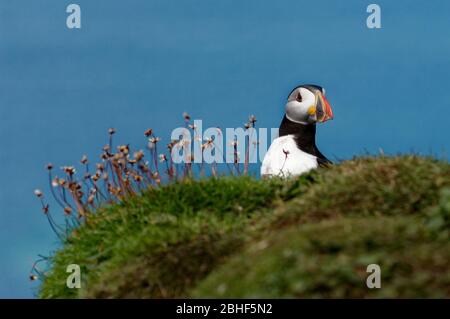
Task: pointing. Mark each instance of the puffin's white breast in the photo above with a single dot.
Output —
(296, 162)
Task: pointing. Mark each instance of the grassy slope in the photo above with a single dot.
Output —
(240, 237)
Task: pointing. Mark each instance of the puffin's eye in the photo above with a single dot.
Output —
(299, 97)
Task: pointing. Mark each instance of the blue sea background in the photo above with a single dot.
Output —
(140, 63)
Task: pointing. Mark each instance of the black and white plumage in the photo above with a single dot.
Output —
(295, 151)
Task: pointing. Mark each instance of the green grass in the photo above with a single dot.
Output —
(161, 243)
(329, 259)
(242, 237)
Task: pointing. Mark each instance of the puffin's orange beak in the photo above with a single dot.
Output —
(325, 112)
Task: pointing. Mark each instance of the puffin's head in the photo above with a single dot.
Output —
(307, 104)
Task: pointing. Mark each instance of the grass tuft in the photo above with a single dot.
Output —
(163, 241)
(241, 237)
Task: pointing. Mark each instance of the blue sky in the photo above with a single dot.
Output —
(139, 64)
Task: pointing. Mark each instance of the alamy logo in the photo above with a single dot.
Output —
(74, 279)
(193, 144)
(374, 279)
(73, 21)
(374, 19)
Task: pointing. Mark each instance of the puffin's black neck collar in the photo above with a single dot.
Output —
(304, 136)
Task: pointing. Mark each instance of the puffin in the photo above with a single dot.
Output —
(294, 152)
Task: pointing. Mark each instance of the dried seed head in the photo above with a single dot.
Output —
(155, 175)
(172, 144)
(124, 149)
(62, 182)
(137, 178)
(148, 132)
(247, 126)
(208, 144)
(49, 166)
(139, 155)
(67, 210)
(38, 193)
(154, 140)
(91, 199)
(131, 161)
(84, 160)
(252, 119)
(184, 142)
(112, 131)
(45, 209)
(186, 117)
(33, 277)
(286, 152)
(162, 158)
(55, 182)
(143, 167)
(72, 186)
(70, 170)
